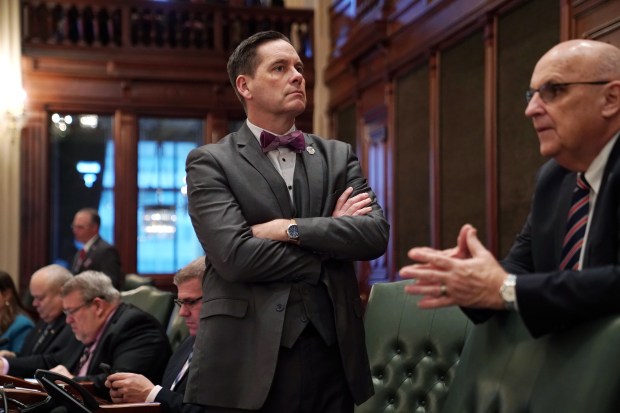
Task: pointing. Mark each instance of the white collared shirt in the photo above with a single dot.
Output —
(282, 158)
(594, 176)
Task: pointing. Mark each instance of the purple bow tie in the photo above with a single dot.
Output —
(294, 140)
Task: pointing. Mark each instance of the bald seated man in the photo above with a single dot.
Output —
(563, 268)
(135, 388)
(51, 333)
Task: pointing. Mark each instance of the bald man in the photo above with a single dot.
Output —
(564, 266)
(51, 334)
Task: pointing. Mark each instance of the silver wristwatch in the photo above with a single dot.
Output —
(292, 232)
(508, 293)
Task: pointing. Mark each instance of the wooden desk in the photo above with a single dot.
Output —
(29, 393)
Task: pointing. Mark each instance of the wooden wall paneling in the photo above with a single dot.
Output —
(374, 161)
(346, 126)
(462, 138)
(490, 130)
(126, 188)
(435, 148)
(416, 25)
(567, 25)
(518, 158)
(35, 201)
(596, 19)
(216, 127)
(411, 204)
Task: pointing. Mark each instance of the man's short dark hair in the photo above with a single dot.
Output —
(243, 61)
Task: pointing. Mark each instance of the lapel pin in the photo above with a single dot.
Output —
(310, 150)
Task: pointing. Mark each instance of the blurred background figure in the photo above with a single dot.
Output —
(95, 254)
(15, 324)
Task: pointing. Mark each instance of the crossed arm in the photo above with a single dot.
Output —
(357, 205)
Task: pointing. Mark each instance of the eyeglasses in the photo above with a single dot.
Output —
(190, 302)
(549, 91)
(71, 311)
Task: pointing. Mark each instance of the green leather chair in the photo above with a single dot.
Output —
(413, 353)
(152, 300)
(177, 330)
(134, 281)
(504, 370)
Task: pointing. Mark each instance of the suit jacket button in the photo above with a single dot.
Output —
(279, 307)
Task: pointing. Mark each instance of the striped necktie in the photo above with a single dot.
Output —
(46, 331)
(576, 225)
(182, 372)
(83, 360)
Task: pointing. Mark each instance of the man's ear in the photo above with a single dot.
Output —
(611, 106)
(98, 303)
(243, 87)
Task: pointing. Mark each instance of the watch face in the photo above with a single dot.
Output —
(292, 231)
(508, 293)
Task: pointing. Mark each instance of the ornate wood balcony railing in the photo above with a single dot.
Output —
(143, 24)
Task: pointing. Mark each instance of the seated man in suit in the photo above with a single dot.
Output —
(110, 332)
(96, 254)
(135, 388)
(51, 334)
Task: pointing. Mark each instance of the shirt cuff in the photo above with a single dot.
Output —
(151, 397)
(5, 366)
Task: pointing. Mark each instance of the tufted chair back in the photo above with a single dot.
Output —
(154, 301)
(504, 370)
(413, 353)
(177, 330)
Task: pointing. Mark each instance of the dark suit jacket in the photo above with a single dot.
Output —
(172, 400)
(103, 257)
(133, 341)
(59, 346)
(233, 185)
(550, 299)
(57, 338)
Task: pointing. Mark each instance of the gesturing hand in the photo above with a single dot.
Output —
(445, 278)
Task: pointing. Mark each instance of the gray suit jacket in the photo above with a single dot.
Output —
(233, 185)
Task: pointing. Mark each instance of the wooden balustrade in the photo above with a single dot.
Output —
(119, 24)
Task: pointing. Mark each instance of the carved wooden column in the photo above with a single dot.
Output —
(35, 200)
(126, 188)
